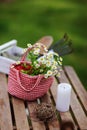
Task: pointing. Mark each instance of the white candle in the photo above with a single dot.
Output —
(63, 97)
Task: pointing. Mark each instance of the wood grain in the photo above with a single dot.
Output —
(54, 124)
(77, 85)
(36, 124)
(76, 106)
(46, 40)
(20, 114)
(77, 113)
(5, 115)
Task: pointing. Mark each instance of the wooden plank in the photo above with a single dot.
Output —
(54, 124)
(37, 125)
(46, 40)
(64, 115)
(77, 85)
(20, 114)
(18, 105)
(5, 114)
(76, 106)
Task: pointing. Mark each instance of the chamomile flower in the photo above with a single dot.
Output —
(58, 74)
(24, 50)
(50, 56)
(35, 62)
(42, 60)
(36, 51)
(18, 62)
(41, 70)
(49, 73)
(48, 63)
(55, 72)
(54, 67)
(45, 76)
(38, 44)
(29, 45)
(55, 63)
(37, 65)
(45, 49)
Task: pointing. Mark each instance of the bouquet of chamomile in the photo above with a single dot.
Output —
(41, 61)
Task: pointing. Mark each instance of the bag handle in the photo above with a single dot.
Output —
(25, 54)
(28, 90)
(29, 49)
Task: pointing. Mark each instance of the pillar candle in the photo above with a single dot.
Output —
(63, 97)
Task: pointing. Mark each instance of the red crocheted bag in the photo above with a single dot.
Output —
(25, 86)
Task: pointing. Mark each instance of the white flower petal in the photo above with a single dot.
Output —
(18, 62)
(45, 76)
(49, 72)
(29, 45)
(36, 52)
(24, 50)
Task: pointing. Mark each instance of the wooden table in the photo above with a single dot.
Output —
(16, 114)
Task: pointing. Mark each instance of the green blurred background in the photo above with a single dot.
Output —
(28, 20)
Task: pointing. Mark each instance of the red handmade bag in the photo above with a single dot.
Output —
(25, 86)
